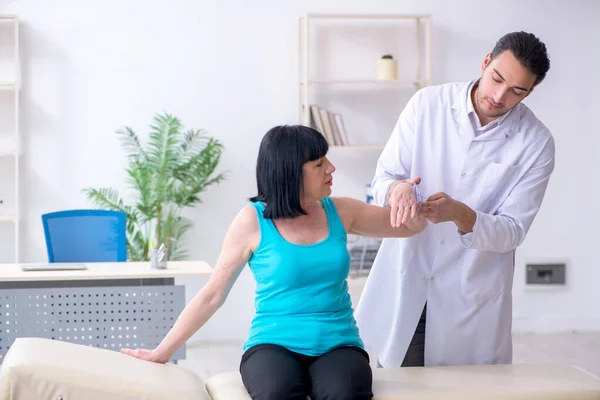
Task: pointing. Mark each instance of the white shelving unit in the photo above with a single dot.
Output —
(337, 73)
(421, 53)
(10, 148)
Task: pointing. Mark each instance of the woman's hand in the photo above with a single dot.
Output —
(402, 201)
(145, 354)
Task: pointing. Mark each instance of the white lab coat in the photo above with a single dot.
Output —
(466, 280)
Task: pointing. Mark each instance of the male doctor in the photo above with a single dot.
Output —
(483, 161)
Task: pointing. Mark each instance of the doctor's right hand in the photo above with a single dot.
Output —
(402, 201)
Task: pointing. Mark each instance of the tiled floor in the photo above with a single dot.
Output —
(580, 349)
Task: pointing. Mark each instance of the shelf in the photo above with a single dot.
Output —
(8, 85)
(366, 82)
(329, 119)
(8, 218)
(10, 142)
(369, 16)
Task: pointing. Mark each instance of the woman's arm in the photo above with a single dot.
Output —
(365, 219)
(238, 245)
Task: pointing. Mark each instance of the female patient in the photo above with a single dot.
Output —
(303, 339)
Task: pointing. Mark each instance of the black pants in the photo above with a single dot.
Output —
(415, 355)
(271, 372)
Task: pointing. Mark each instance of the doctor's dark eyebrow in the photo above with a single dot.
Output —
(501, 77)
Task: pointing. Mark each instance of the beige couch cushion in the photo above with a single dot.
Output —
(490, 382)
(41, 369)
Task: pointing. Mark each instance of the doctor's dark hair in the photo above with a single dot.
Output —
(528, 49)
(283, 150)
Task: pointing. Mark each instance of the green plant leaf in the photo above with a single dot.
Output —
(131, 144)
(166, 175)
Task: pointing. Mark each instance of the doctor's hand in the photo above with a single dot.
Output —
(402, 201)
(442, 208)
(439, 208)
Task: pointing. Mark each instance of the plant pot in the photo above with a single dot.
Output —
(387, 69)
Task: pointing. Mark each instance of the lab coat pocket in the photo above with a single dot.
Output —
(483, 276)
(497, 181)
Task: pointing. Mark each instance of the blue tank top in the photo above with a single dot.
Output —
(302, 301)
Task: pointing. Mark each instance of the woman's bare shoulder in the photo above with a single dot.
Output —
(247, 218)
(245, 225)
(346, 207)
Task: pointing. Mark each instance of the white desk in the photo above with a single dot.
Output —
(117, 270)
(108, 305)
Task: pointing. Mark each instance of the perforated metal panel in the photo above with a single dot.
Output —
(104, 317)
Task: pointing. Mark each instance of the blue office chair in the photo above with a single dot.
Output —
(85, 236)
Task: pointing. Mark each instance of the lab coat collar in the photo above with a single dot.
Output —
(460, 112)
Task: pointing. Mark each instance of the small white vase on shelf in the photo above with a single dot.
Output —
(387, 68)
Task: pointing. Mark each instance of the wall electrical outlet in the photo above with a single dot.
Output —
(545, 274)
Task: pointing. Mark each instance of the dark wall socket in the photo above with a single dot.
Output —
(545, 274)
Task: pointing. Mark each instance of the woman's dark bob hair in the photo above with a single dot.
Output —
(283, 151)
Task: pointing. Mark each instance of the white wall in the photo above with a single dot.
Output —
(91, 67)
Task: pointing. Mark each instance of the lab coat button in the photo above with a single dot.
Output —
(443, 241)
(463, 174)
(431, 278)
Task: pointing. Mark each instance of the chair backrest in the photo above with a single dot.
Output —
(85, 236)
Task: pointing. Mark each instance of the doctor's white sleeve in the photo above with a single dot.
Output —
(396, 158)
(506, 229)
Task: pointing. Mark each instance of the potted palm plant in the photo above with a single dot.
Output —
(166, 175)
